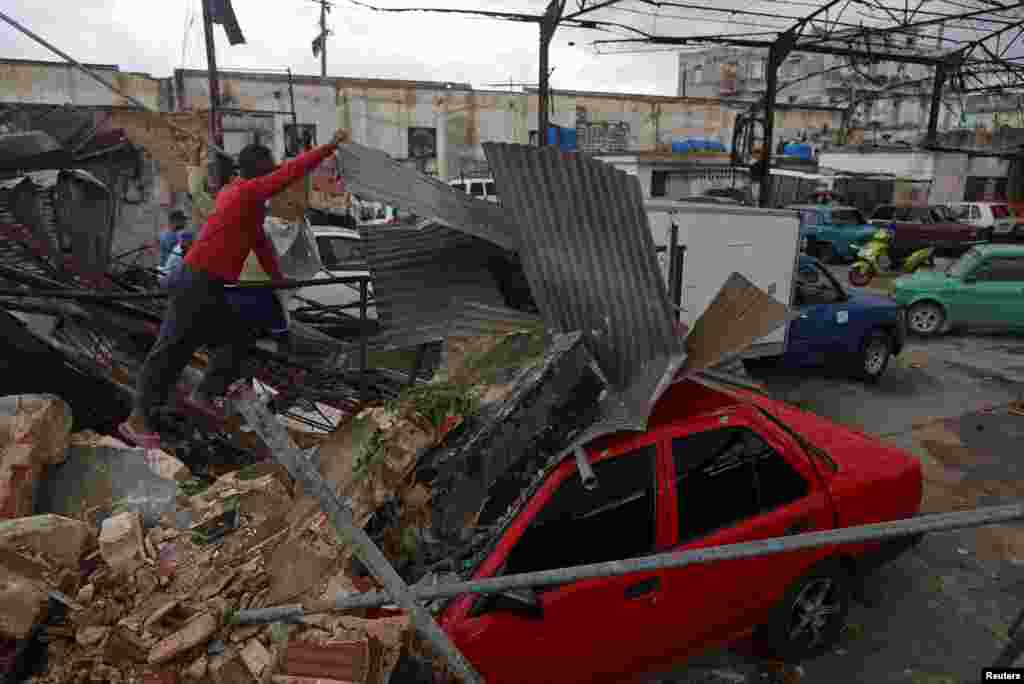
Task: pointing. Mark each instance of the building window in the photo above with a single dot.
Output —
(698, 74)
(298, 138)
(757, 69)
(659, 183)
(422, 143)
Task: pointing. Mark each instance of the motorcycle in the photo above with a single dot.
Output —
(871, 254)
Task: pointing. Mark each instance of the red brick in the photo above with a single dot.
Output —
(347, 661)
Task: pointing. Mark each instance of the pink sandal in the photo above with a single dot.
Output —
(146, 440)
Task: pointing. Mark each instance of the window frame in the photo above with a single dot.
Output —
(993, 259)
(784, 445)
(352, 265)
(496, 564)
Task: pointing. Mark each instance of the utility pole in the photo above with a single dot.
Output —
(323, 38)
(216, 133)
(548, 26)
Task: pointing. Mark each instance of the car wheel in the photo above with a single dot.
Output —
(874, 356)
(809, 619)
(926, 319)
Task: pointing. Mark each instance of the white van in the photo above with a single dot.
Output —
(481, 188)
(994, 215)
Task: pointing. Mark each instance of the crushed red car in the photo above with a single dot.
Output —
(713, 468)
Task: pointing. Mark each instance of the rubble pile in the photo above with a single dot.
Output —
(119, 589)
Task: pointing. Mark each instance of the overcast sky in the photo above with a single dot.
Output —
(151, 36)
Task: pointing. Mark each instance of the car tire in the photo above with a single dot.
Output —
(874, 357)
(926, 319)
(810, 618)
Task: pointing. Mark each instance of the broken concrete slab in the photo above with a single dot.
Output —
(256, 657)
(95, 479)
(121, 542)
(197, 631)
(294, 568)
(34, 433)
(22, 605)
(61, 539)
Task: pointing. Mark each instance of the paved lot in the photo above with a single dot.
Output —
(941, 613)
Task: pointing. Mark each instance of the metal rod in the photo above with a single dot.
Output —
(285, 452)
(771, 88)
(363, 336)
(936, 104)
(93, 75)
(587, 473)
(291, 96)
(156, 294)
(213, 175)
(850, 535)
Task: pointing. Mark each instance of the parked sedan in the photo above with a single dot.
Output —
(984, 288)
(857, 330)
(714, 467)
(917, 227)
(831, 233)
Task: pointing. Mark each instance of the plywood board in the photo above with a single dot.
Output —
(740, 313)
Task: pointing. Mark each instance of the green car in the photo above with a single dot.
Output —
(983, 288)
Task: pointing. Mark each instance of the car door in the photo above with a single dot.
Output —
(736, 478)
(995, 290)
(589, 630)
(342, 257)
(822, 319)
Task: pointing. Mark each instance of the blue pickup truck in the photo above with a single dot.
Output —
(858, 330)
(831, 232)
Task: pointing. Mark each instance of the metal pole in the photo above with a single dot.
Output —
(938, 522)
(213, 176)
(291, 96)
(363, 352)
(323, 38)
(772, 85)
(548, 26)
(936, 105)
(285, 452)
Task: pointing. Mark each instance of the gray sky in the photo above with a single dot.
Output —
(151, 36)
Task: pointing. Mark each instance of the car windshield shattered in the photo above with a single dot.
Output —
(964, 264)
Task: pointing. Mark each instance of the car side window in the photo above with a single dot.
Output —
(883, 213)
(490, 189)
(726, 476)
(813, 287)
(1000, 270)
(615, 521)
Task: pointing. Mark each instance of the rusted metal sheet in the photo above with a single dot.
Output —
(373, 175)
(588, 254)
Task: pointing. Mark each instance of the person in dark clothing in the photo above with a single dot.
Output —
(198, 310)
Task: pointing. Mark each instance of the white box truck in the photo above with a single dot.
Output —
(718, 239)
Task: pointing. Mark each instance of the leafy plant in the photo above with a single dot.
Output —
(437, 401)
(192, 486)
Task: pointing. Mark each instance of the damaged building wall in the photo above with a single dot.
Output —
(39, 82)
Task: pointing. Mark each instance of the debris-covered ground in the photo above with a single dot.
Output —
(119, 565)
(941, 612)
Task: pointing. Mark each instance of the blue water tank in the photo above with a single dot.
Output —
(799, 150)
(568, 141)
(553, 135)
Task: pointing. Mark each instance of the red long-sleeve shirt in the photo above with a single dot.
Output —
(236, 226)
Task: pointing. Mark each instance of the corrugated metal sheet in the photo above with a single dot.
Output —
(371, 174)
(431, 282)
(589, 255)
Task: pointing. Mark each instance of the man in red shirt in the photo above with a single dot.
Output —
(198, 313)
